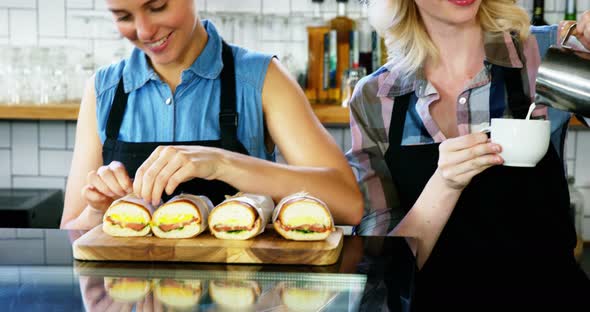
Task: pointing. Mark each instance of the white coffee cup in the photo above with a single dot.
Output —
(524, 142)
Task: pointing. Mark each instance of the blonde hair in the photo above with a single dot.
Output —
(407, 41)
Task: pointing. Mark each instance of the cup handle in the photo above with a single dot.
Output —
(486, 130)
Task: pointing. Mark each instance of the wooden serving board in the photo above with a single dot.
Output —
(266, 248)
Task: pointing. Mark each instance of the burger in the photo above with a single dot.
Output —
(304, 299)
(180, 294)
(241, 217)
(303, 217)
(234, 294)
(126, 289)
(128, 216)
(183, 216)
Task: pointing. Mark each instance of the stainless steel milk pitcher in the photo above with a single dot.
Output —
(563, 81)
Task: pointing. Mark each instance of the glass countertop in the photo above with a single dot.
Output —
(38, 273)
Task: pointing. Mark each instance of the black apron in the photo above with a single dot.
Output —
(132, 155)
(509, 241)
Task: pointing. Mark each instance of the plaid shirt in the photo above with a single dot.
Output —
(372, 103)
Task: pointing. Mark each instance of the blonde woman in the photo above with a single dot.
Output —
(487, 234)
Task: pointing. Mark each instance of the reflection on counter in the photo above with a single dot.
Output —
(224, 291)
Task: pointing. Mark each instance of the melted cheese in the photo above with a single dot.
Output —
(127, 218)
(173, 219)
(296, 221)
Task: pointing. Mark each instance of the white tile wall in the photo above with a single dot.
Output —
(18, 4)
(32, 182)
(52, 18)
(276, 6)
(51, 134)
(27, 251)
(55, 162)
(23, 27)
(60, 253)
(25, 148)
(7, 234)
(4, 134)
(5, 168)
(3, 22)
(79, 4)
(29, 233)
(242, 6)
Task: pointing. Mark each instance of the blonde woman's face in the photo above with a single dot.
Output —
(163, 29)
(453, 12)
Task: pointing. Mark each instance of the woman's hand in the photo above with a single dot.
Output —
(583, 29)
(105, 185)
(460, 159)
(168, 166)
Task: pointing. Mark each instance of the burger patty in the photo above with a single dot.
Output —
(134, 226)
(318, 228)
(229, 228)
(170, 227)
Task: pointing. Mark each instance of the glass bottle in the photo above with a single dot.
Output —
(365, 36)
(570, 10)
(577, 214)
(343, 25)
(539, 13)
(316, 31)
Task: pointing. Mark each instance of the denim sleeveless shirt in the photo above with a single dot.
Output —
(154, 114)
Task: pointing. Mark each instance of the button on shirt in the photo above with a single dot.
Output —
(154, 114)
(372, 103)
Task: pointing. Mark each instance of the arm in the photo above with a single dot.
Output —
(315, 163)
(91, 187)
(460, 159)
(87, 156)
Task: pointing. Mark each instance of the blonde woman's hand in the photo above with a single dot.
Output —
(106, 184)
(583, 29)
(462, 158)
(168, 166)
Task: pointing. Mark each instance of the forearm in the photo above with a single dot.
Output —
(429, 215)
(338, 189)
(88, 219)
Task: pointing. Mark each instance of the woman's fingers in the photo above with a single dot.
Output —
(485, 161)
(108, 178)
(463, 157)
(96, 181)
(153, 167)
(122, 176)
(96, 199)
(139, 174)
(467, 154)
(162, 178)
(463, 142)
(181, 175)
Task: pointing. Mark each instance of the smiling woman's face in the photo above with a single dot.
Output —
(163, 29)
(451, 12)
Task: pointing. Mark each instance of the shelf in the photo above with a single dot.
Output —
(327, 114)
(332, 114)
(51, 111)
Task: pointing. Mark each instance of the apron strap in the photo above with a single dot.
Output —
(228, 116)
(117, 112)
(398, 120)
(518, 101)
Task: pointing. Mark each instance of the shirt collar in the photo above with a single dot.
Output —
(137, 71)
(500, 49)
